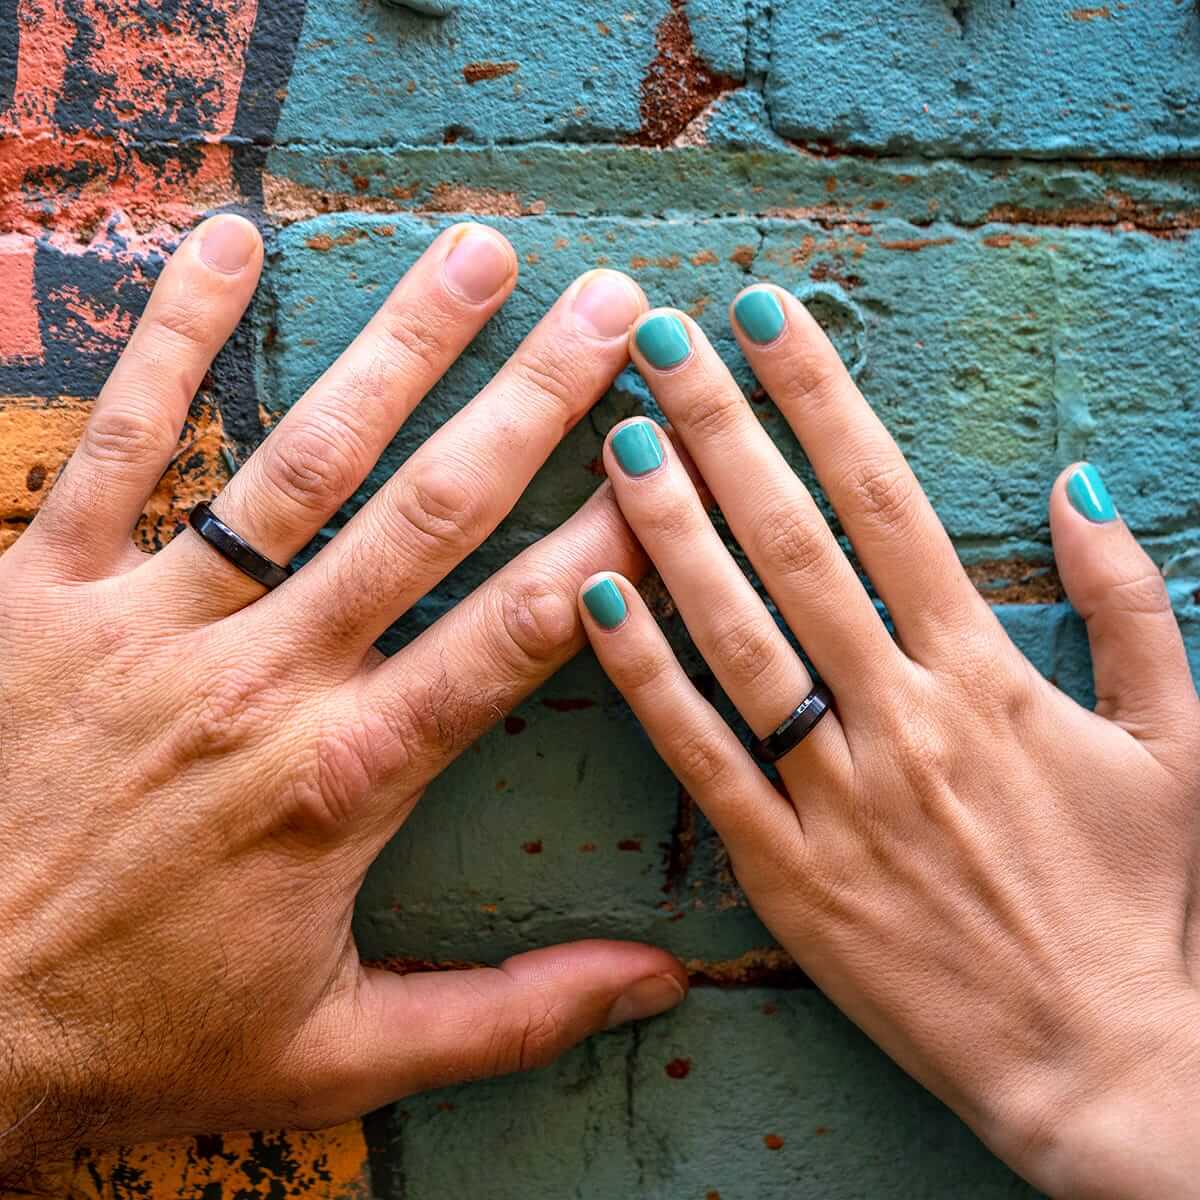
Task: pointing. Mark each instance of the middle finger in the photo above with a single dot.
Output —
(459, 485)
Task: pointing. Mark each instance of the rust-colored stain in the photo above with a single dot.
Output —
(916, 244)
(478, 72)
(532, 847)
(1092, 14)
(324, 241)
(743, 256)
(458, 197)
(328, 1165)
(772, 1141)
(1016, 581)
(763, 967)
(679, 1068)
(1117, 211)
(630, 844)
(514, 725)
(678, 85)
(1002, 241)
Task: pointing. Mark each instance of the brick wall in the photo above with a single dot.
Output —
(993, 206)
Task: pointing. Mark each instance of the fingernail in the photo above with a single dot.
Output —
(228, 245)
(1089, 496)
(663, 340)
(760, 315)
(478, 266)
(606, 604)
(607, 305)
(647, 998)
(637, 448)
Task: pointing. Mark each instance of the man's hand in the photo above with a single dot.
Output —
(196, 775)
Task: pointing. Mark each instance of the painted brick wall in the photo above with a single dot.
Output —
(993, 205)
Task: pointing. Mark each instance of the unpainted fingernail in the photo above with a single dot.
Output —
(228, 245)
(760, 315)
(647, 998)
(605, 603)
(478, 265)
(607, 305)
(1089, 496)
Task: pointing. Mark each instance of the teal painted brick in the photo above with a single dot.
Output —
(368, 74)
(996, 356)
(1043, 77)
(743, 169)
(612, 1120)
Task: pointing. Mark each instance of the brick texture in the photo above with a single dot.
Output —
(992, 206)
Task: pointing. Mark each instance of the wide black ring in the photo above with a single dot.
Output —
(235, 548)
(796, 728)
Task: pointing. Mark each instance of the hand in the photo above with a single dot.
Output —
(197, 775)
(999, 886)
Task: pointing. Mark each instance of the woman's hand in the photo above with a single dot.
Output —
(999, 886)
(196, 774)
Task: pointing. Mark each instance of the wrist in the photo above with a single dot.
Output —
(1133, 1137)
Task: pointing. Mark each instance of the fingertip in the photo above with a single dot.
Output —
(479, 263)
(228, 243)
(1080, 490)
(607, 303)
(663, 339)
(759, 314)
(605, 600)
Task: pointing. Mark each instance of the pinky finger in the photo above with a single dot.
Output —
(690, 735)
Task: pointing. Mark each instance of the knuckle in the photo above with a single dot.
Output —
(541, 1036)
(119, 437)
(667, 518)
(313, 467)
(640, 671)
(790, 544)
(432, 502)
(548, 374)
(229, 709)
(180, 320)
(1142, 595)
(711, 413)
(884, 495)
(700, 758)
(325, 795)
(417, 334)
(746, 651)
(537, 624)
(820, 377)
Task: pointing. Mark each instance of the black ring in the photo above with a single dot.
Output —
(796, 728)
(235, 548)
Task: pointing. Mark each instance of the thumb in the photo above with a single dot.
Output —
(1141, 670)
(412, 1032)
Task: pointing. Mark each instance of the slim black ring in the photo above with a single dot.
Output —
(235, 548)
(796, 728)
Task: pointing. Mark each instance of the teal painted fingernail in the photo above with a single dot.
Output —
(664, 341)
(760, 315)
(1089, 496)
(606, 604)
(637, 448)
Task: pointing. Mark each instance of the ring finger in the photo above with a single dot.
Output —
(325, 446)
(769, 510)
(739, 639)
